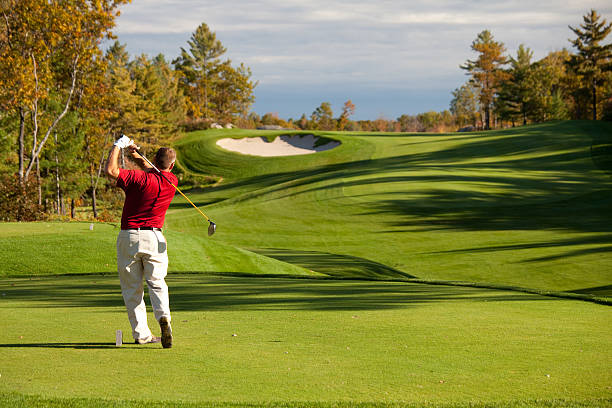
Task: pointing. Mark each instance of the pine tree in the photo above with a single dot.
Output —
(198, 66)
(515, 93)
(486, 70)
(593, 60)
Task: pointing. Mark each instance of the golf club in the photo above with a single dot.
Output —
(212, 227)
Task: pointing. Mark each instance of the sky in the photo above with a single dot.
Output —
(389, 57)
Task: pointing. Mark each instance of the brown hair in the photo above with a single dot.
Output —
(164, 158)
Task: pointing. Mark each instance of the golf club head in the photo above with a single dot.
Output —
(212, 228)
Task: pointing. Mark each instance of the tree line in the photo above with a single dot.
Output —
(64, 99)
(503, 90)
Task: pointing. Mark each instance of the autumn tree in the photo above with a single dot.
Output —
(593, 60)
(486, 71)
(348, 110)
(233, 94)
(47, 48)
(408, 123)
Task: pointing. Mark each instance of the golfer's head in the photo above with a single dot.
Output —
(164, 158)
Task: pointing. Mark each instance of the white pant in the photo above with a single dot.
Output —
(142, 255)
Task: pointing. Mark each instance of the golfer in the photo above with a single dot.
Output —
(141, 247)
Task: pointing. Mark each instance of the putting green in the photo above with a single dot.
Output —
(286, 340)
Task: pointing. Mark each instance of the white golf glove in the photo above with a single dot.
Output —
(123, 142)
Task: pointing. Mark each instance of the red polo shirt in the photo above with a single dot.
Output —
(147, 197)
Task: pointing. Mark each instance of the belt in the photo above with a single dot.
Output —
(142, 228)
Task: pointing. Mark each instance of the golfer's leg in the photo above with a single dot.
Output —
(129, 265)
(155, 270)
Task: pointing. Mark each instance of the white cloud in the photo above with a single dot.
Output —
(412, 45)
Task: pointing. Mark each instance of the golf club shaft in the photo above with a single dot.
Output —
(177, 189)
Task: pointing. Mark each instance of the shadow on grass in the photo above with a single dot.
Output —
(205, 293)
(603, 242)
(84, 346)
(335, 265)
(605, 290)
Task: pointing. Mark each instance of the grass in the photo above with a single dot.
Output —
(375, 230)
(526, 207)
(18, 401)
(275, 340)
(42, 248)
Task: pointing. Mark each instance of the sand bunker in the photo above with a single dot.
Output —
(281, 146)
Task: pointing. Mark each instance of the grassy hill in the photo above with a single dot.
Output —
(528, 206)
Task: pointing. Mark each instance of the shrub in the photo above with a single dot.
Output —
(19, 201)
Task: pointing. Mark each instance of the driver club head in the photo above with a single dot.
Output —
(212, 228)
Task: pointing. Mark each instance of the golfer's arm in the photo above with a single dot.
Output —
(140, 162)
(112, 164)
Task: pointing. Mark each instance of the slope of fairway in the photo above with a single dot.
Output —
(527, 207)
(51, 248)
(291, 343)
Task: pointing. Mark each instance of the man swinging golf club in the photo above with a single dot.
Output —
(141, 247)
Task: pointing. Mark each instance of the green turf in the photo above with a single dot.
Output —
(274, 340)
(527, 208)
(43, 248)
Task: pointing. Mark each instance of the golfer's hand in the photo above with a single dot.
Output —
(132, 149)
(123, 142)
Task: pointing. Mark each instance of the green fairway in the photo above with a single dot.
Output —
(365, 275)
(526, 207)
(283, 340)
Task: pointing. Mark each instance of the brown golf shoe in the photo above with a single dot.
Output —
(166, 331)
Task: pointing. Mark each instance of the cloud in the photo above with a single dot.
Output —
(332, 44)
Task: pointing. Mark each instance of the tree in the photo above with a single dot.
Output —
(429, 120)
(348, 110)
(198, 66)
(408, 123)
(464, 105)
(174, 105)
(515, 93)
(47, 48)
(323, 117)
(593, 59)
(545, 84)
(233, 94)
(486, 71)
